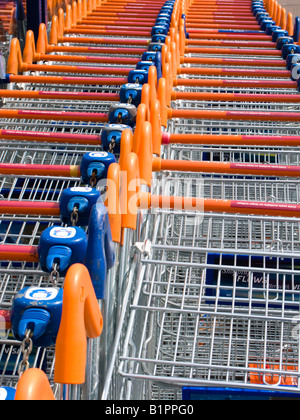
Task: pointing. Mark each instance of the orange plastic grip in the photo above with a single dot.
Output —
(182, 38)
(169, 83)
(145, 154)
(126, 147)
(81, 318)
(155, 120)
(130, 188)
(162, 97)
(13, 23)
(42, 42)
(278, 16)
(174, 58)
(145, 99)
(61, 23)
(53, 36)
(141, 117)
(15, 60)
(283, 20)
(29, 54)
(34, 386)
(290, 25)
(68, 18)
(113, 201)
(152, 81)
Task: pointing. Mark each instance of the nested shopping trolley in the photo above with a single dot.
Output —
(55, 131)
(216, 297)
(205, 293)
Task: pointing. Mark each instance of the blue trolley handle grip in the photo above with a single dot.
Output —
(296, 34)
(20, 13)
(100, 254)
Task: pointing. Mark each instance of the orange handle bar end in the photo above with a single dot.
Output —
(81, 318)
(34, 386)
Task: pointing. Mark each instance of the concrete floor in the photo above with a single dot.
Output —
(292, 6)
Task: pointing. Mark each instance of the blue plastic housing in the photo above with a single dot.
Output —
(83, 198)
(112, 132)
(122, 113)
(100, 255)
(37, 309)
(63, 246)
(96, 163)
(7, 393)
(290, 49)
(131, 92)
(138, 76)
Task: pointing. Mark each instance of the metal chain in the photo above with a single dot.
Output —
(93, 179)
(119, 119)
(74, 216)
(26, 350)
(54, 275)
(112, 145)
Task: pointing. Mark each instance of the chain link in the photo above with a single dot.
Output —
(93, 179)
(26, 350)
(74, 216)
(112, 145)
(119, 119)
(54, 275)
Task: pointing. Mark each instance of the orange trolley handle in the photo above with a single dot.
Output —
(34, 386)
(81, 318)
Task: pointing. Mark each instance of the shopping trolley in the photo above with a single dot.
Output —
(214, 301)
(57, 131)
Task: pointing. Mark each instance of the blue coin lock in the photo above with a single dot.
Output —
(132, 93)
(37, 309)
(149, 56)
(257, 7)
(165, 21)
(122, 113)
(100, 255)
(290, 49)
(160, 30)
(155, 46)
(292, 59)
(159, 38)
(257, 12)
(164, 15)
(264, 21)
(271, 28)
(94, 166)
(111, 134)
(138, 76)
(144, 65)
(295, 72)
(167, 7)
(81, 198)
(61, 247)
(7, 393)
(261, 15)
(278, 33)
(283, 40)
(155, 58)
